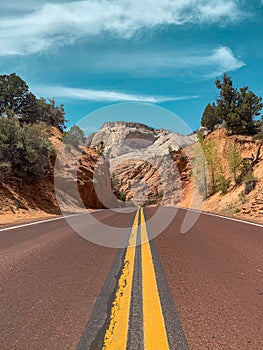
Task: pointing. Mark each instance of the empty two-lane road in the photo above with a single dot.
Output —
(198, 290)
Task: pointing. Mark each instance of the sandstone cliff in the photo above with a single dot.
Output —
(73, 174)
(143, 161)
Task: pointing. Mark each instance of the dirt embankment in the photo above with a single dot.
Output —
(21, 200)
(235, 202)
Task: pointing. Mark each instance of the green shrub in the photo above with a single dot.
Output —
(258, 136)
(222, 184)
(100, 148)
(122, 196)
(190, 174)
(24, 151)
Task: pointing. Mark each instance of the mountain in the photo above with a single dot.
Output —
(124, 139)
(142, 161)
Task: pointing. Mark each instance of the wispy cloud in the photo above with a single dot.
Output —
(223, 60)
(205, 63)
(55, 24)
(102, 95)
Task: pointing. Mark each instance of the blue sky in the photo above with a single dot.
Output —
(95, 53)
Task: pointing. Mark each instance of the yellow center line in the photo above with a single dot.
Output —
(116, 335)
(155, 337)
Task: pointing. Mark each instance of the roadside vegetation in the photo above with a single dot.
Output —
(25, 149)
(238, 111)
(214, 175)
(116, 187)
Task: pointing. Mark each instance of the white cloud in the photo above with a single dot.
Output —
(102, 95)
(200, 63)
(55, 24)
(223, 60)
(211, 64)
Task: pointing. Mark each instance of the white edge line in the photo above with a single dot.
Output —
(194, 210)
(223, 217)
(40, 222)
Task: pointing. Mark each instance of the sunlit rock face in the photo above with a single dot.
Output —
(142, 161)
(134, 139)
(83, 180)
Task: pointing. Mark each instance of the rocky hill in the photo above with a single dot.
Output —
(142, 161)
(73, 171)
(123, 140)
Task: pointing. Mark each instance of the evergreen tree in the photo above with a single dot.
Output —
(17, 101)
(30, 114)
(210, 117)
(249, 106)
(14, 94)
(47, 112)
(237, 108)
(228, 98)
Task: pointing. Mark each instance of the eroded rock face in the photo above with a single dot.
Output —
(156, 181)
(141, 160)
(133, 139)
(82, 179)
(94, 180)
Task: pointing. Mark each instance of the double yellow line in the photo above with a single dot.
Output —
(155, 337)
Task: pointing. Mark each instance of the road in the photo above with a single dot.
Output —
(198, 290)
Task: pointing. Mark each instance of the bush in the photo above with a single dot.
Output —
(100, 148)
(5, 169)
(24, 151)
(222, 184)
(122, 196)
(258, 136)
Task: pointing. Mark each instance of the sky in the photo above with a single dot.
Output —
(97, 53)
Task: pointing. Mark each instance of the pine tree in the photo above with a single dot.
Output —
(237, 108)
(210, 117)
(14, 94)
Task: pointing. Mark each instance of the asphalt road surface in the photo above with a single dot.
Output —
(199, 290)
